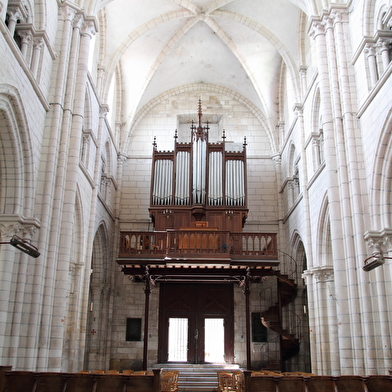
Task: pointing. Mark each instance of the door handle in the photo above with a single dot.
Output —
(196, 334)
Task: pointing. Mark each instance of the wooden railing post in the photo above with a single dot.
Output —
(3, 370)
(157, 380)
(247, 375)
(147, 291)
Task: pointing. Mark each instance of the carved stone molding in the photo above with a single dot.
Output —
(321, 274)
(14, 224)
(379, 241)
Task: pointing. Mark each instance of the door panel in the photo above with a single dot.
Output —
(178, 339)
(196, 303)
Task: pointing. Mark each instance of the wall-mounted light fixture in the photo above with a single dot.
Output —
(23, 245)
(374, 261)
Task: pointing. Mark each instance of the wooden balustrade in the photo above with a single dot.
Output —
(198, 243)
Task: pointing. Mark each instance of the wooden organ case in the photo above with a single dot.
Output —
(199, 185)
(198, 206)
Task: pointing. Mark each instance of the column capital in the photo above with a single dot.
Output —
(26, 35)
(277, 158)
(339, 15)
(322, 274)
(121, 158)
(103, 110)
(303, 70)
(67, 13)
(22, 230)
(370, 49)
(379, 241)
(15, 12)
(298, 109)
(307, 277)
(77, 21)
(316, 28)
(383, 43)
(38, 43)
(89, 26)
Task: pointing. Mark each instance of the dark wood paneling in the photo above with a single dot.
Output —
(196, 302)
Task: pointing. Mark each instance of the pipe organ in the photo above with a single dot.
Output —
(199, 181)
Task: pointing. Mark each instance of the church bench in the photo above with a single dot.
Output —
(320, 384)
(24, 381)
(258, 382)
(350, 384)
(378, 383)
(18, 381)
(293, 383)
(80, 382)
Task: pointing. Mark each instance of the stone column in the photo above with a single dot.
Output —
(69, 165)
(318, 33)
(354, 221)
(383, 46)
(13, 273)
(38, 45)
(370, 51)
(304, 169)
(316, 152)
(51, 152)
(313, 317)
(277, 159)
(348, 251)
(304, 83)
(26, 37)
(380, 282)
(14, 15)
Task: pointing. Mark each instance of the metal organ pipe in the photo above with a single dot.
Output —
(235, 187)
(199, 171)
(163, 181)
(182, 179)
(215, 178)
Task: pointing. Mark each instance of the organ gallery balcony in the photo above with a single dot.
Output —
(197, 246)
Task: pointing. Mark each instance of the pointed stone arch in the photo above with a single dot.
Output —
(299, 252)
(99, 307)
(203, 87)
(17, 168)
(381, 190)
(324, 244)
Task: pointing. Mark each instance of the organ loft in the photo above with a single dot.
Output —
(198, 206)
(197, 247)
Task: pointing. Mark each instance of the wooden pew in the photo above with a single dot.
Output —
(109, 382)
(292, 383)
(19, 381)
(350, 384)
(50, 382)
(259, 382)
(378, 383)
(80, 382)
(144, 383)
(320, 383)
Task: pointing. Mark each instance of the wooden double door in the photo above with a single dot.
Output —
(196, 323)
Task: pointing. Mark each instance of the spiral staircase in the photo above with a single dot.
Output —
(272, 319)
